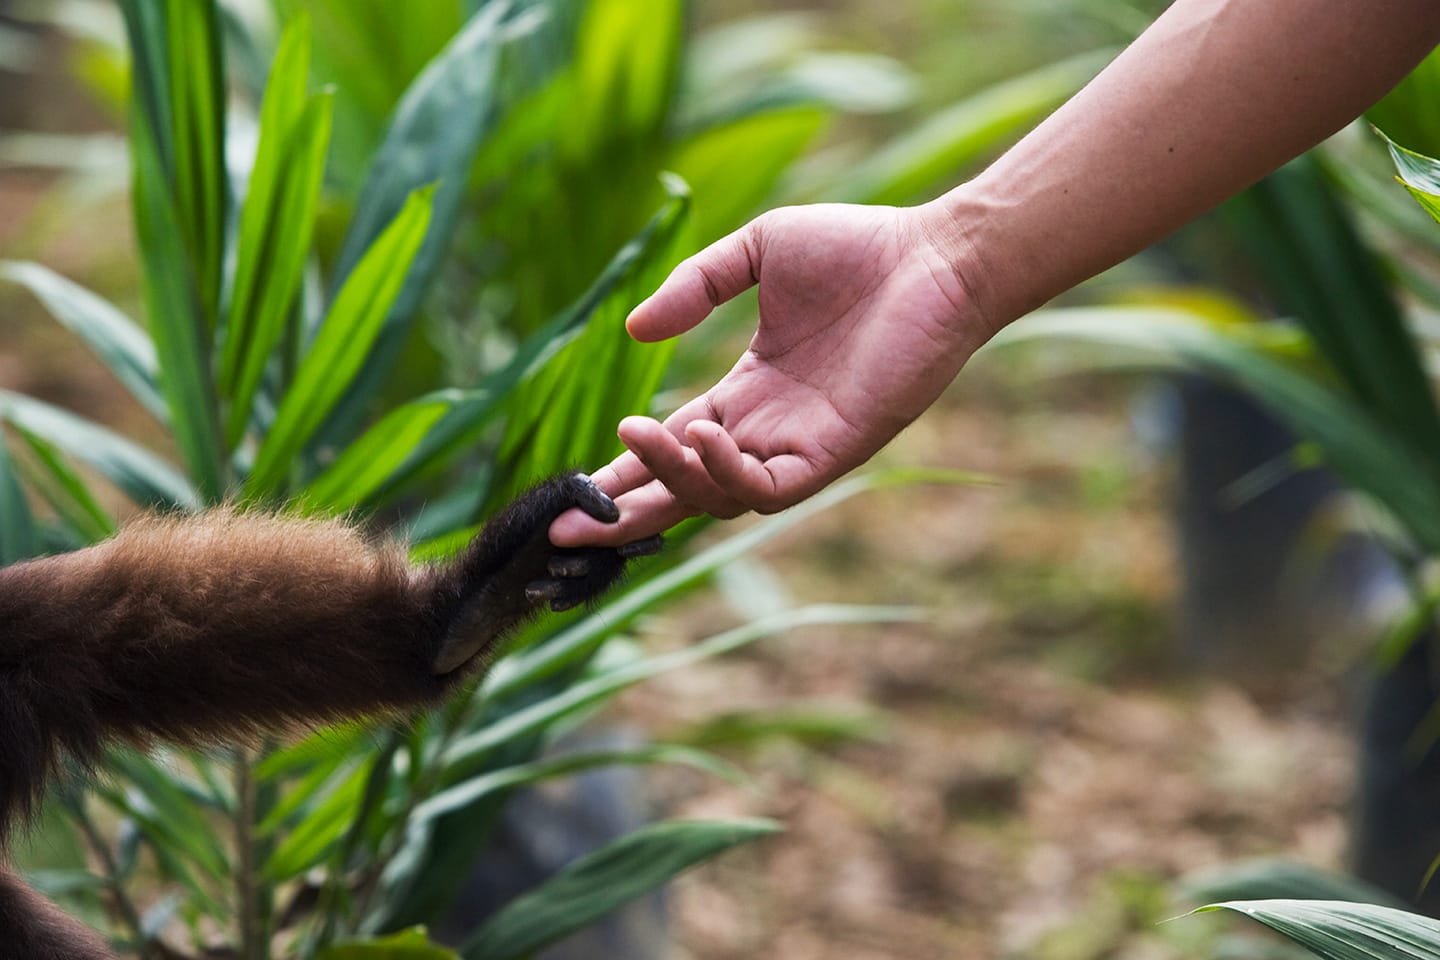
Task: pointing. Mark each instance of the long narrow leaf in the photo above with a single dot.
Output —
(179, 188)
(345, 340)
(463, 755)
(276, 223)
(65, 491)
(1368, 454)
(197, 108)
(176, 318)
(121, 345)
(469, 791)
(1323, 275)
(142, 475)
(17, 524)
(1336, 930)
(558, 418)
(600, 882)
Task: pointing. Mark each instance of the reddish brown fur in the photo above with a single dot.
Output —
(218, 627)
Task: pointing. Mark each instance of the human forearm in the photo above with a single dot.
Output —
(1213, 96)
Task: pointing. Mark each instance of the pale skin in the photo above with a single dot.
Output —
(868, 313)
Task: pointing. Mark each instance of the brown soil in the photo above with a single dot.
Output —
(1046, 763)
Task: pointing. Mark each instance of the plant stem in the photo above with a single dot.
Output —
(247, 898)
(126, 907)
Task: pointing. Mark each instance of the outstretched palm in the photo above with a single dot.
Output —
(862, 323)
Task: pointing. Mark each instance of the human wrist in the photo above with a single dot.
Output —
(952, 228)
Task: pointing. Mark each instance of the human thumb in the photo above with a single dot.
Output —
(698, 285)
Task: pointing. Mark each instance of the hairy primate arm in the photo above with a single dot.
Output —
(33, 928)
(228, 624)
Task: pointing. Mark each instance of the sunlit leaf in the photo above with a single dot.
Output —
(344, 341)
(276, 223)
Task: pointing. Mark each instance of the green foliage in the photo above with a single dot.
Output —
(492, 172)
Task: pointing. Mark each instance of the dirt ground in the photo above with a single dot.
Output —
(1028, 771)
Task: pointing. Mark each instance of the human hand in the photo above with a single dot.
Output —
(866, 314)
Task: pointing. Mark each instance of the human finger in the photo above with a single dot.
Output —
(644, 512)
(765, 486)
(698, 285)
(677, 466)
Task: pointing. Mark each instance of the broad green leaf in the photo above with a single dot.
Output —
(342, 345)
(366, 465)
(600, 882)
(17, 524)
(1420, 175)
(1274, 879)
(410, 944)
(320, 830)
(431, 139)
(940, 148)
(1321, 272)
(276, 223)
(121, 345)
(1336, 930)
(143, 476)
(1366, 453)
(465, 753)
(65, 491)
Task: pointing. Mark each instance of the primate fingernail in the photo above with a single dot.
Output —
(641, 548)
(568, 566)
(542, 590)
(594, 501)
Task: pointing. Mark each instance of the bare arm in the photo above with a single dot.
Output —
(1216, 94)
(867, 313)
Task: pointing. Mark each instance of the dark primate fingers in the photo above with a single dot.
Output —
(542, 590)
(641, 548)
(568, 567)
(592, 499)
(561, 604)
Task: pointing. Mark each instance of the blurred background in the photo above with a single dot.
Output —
(1142, 618)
